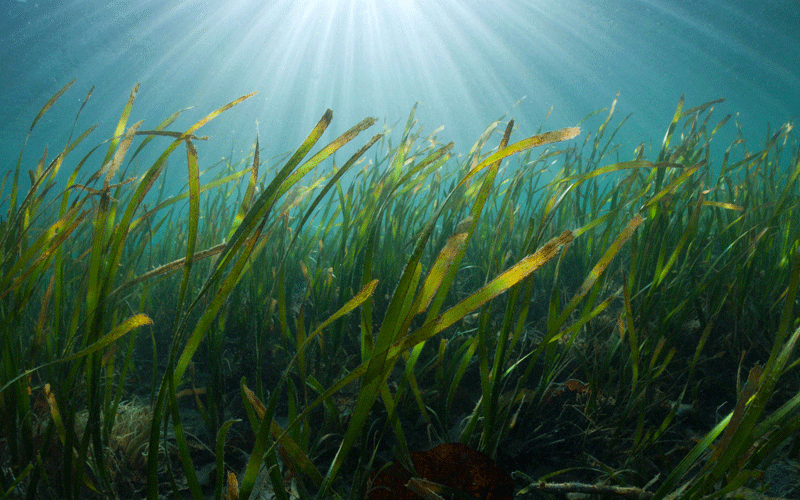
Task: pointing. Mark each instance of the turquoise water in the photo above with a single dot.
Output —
(467, 62)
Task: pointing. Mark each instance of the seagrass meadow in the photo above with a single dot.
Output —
(610, 319)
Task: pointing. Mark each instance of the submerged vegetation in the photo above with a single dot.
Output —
(574, 314)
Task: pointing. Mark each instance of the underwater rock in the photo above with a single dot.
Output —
(448, 470)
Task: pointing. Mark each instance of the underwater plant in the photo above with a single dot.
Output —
(287, 328)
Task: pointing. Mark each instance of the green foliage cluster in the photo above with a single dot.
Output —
(401, 298)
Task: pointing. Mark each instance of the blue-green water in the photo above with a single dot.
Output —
(467, 62)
